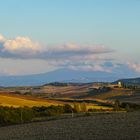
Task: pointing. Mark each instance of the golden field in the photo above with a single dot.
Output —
(17, 101)
(97, 107)
(21, 101)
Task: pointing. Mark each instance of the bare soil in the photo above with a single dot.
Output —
(115, 126)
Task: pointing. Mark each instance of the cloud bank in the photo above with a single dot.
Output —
(20, 47)
(25, 48)
(70, 55)
(134, 66)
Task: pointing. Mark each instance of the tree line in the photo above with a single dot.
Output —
(11, 115)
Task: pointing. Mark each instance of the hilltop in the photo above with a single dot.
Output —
(130, 81)
(92, 91)
(71, 76)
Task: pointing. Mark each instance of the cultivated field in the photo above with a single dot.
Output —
(116, 126)
(75, 91)
(123, 95)
(62, 91)
(20, 101)
(83, 92)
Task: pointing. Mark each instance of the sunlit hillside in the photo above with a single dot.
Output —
(17, 101)
(21, 101)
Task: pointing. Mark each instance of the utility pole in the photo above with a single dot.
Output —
(72, 114)
(21, 115)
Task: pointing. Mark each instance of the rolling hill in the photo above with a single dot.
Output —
(132, 81)
(21, 101)
(66, 75)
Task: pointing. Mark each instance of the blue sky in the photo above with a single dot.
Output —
(111, 23)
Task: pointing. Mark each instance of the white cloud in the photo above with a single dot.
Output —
(22, 51)
(134, 66)
(95, 67)
(79, 49)
(69, 55)
(20, 47)
(20, 44)
(25, 48)
(2, 39)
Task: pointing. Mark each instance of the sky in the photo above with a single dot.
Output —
(38, 36)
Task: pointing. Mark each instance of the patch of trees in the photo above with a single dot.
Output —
(11, 115)
(125, 105)
(99, 90)
(131, 86)
(57, 84)
(117, 105)
(130, 106)
(80, 107)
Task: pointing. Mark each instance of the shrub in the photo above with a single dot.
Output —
(77, 107)
(10, 115)
(83, 107)
(48, 111)
(68, 108)
(54, 110)
(117, 105)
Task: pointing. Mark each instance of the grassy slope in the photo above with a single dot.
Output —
(82, 92)
(114, 93)
(63, 91)
(66, 92)
(120, 94)
(90, 103)
(19, 101)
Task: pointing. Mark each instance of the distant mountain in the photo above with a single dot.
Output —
(62, 75)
